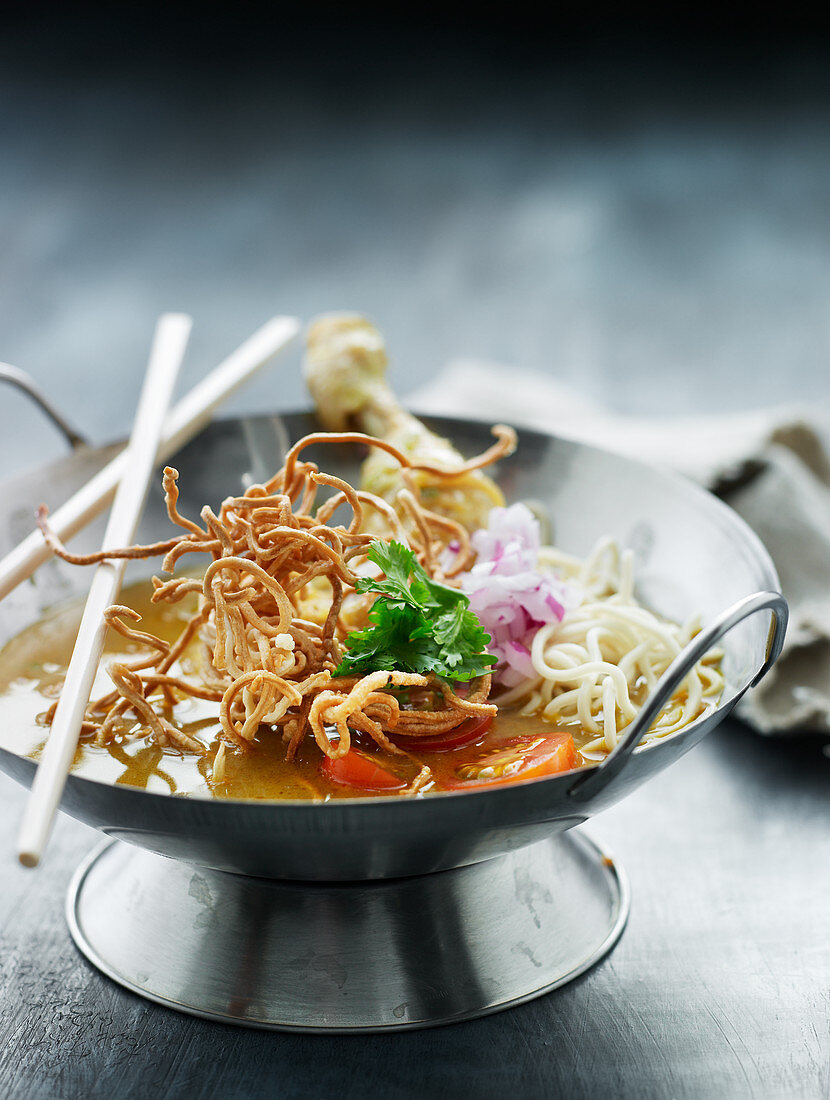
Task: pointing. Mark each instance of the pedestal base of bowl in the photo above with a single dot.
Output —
(369, 956)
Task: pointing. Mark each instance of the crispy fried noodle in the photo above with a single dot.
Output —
(275, 604)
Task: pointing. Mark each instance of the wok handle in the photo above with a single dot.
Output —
(27, 385)
(593, 780)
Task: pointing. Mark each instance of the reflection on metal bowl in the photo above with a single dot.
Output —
(692, 554)
(355, 943)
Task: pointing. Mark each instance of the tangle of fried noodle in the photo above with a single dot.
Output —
(269, 659)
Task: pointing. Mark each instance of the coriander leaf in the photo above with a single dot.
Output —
(417, 624)
(397, 563)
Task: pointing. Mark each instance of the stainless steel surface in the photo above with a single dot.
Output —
(676, 531)
(349, 958)
(590, 783)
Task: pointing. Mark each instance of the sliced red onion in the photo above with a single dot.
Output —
(508, 593)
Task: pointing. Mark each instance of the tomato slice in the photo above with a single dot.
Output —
(518, 758)
(468, 731)
(358, 770)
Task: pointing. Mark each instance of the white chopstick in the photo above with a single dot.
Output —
(169, 343)
(184, 421)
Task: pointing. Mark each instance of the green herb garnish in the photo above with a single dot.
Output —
(419, 625)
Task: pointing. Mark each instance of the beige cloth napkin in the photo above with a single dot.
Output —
(770, 465)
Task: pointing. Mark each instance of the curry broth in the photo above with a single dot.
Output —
(32, 668)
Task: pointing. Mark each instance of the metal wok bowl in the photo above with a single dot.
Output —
(692, 554)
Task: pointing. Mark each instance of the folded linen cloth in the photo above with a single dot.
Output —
(770, 465)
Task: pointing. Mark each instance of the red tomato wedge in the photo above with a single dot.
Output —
(358, 770)
(518, 758)
(468, 731)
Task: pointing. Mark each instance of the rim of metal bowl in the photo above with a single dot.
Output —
(727, 520)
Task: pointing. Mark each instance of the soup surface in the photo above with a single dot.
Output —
(33, 665)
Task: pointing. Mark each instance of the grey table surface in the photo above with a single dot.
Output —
(652, 226)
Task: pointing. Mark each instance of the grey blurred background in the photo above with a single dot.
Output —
(646, 215)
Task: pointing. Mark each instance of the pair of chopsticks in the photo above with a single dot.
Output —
(156, 435)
